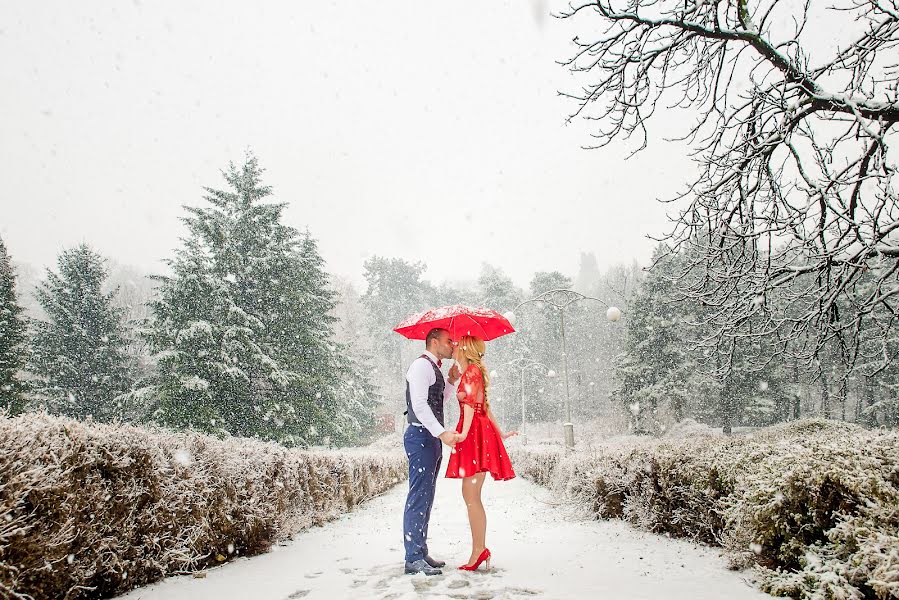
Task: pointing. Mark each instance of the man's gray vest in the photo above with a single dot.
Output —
(435, 396)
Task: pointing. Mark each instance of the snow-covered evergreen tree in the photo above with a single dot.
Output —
(339, 375)
(13, 338)
(394, 290)
(496, 289)
(757, 390)
(243, 328)
(877, 361)
(79, 353)
(653, 370)
(671, 369)
(539, 330)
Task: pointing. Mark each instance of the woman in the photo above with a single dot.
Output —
(479, 449)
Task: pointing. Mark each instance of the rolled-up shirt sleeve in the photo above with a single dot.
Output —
(420, 377)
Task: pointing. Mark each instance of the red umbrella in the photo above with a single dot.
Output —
(459, 320)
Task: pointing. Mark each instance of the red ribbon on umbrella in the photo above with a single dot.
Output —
(459, 320)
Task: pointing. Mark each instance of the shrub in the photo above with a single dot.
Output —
(813, 505)
(92, 510)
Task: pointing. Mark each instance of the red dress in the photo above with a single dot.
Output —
(483, 449)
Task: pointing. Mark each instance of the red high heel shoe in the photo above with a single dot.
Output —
(485, 556)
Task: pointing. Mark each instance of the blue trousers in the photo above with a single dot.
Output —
(425, 454)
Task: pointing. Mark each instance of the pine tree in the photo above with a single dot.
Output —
(79, 354)
(541, 333)
(394, 290)
(759, 390)
(243, 328)
(344, 395)
(657, 374)
(495, 290)
(877, 361)
(673, 367)
(13, 338)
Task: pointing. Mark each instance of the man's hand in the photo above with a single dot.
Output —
(449, 438)
(454, 374)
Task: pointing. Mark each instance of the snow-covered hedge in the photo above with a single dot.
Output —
(92, 510)
(813, 505)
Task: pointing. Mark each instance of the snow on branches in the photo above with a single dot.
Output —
(789, 232)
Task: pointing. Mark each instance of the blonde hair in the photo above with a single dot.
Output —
(473, 349)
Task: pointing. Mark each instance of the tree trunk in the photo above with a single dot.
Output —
(859, 401)
(866, 401)
(844, 398)
(726, 407)
(825, 396)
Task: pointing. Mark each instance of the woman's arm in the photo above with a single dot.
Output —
(467, 418)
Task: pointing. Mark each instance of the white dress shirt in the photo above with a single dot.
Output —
(421, 376)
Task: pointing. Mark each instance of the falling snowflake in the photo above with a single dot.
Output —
(182, 457)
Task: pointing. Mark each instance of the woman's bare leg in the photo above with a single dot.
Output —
(477, 517)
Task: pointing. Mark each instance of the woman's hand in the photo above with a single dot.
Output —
(509, 434)
(454, 374)
(460, 437)
(450, 438)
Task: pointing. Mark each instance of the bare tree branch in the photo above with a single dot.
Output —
(790, 230)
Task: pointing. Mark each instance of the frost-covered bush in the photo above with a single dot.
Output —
(813, 505)
(91, 510)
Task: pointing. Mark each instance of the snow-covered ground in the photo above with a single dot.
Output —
(540, 551)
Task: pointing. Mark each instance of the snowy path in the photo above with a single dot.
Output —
(539, 552)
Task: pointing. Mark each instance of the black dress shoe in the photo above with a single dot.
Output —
(437, 564)
(420, 566)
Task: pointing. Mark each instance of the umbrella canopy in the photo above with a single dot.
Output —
(459, 320)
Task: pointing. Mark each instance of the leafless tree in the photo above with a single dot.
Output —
(790, 229)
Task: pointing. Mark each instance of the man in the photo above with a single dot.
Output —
(426, 392)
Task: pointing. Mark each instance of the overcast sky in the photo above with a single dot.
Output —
(424, 130)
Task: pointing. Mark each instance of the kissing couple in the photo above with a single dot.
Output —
(476, 443)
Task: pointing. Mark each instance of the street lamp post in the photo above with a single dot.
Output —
(523, 364)
(560, 299)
